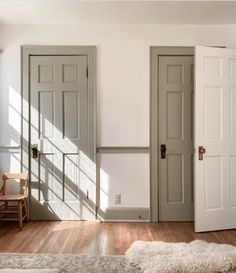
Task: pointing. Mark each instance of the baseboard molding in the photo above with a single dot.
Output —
(124, 215)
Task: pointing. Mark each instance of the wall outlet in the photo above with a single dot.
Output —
(116, 198)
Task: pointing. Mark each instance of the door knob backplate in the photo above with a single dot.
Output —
(201, 152)
(163, 151)
(35, 152)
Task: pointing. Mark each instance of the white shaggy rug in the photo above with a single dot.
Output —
(195, 257)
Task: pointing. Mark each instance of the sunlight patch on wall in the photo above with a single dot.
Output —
(14, 117)
(104, 190)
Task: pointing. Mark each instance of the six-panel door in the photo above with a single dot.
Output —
(215, 130)
(176, 80)
(60, 180)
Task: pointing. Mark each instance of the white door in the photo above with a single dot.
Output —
(61, 187)
(176, 86)
(215, 139)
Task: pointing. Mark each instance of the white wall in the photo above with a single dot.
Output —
(122, 89)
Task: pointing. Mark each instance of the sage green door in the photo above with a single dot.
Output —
(60, 178)
(176, 89)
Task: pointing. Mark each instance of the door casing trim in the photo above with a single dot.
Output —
(35, 50)
(155, 53)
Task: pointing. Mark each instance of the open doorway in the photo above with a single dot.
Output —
(214, 134)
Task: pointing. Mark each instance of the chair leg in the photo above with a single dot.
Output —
(20, 214)
(26, 210)
(3, 207)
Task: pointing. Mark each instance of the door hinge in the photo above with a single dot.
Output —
(87, 194)
(96, 211)
(87, 72)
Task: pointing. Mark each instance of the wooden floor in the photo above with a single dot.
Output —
(96, 238)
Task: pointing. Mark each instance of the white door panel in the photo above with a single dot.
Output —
(215, 104)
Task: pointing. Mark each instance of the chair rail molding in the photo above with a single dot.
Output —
(122, 149)
(10, 148)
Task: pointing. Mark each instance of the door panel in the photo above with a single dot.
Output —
(71, 105)
(59, 127)
(174, 115)
(214, 130)
(175, 179)
(176, 132)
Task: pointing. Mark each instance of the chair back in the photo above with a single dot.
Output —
(21, 178)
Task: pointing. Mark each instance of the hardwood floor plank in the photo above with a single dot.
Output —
(96, 238)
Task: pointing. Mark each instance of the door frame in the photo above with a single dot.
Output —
(34, 50)
(155, 53)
